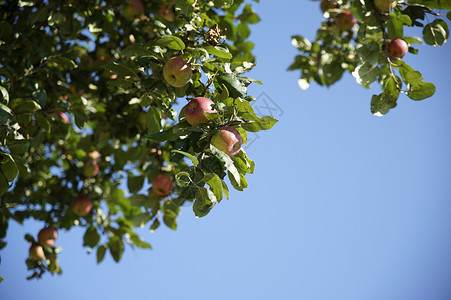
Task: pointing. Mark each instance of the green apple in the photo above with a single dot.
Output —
(195, 110)
(162, 185)
(345, 21)
(397, 48)
(91, 168)
(228, 140)
(385, 5)
(36, 252)
(177, 72)
(47, 236)
(81, 206)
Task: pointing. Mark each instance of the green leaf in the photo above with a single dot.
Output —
(205, 201)
(25, 106)
(436, 33)
(101, 253)
(141, 219)
(241, 185)
(171, 42)
(135, 183)
(153, 120)
(332, 72)
(369, 52)
(139, 200)
(121, 69)
(410, 76)
(227, 161)
(235, 87)
(301, 43)
(5, 113)
(8, 167)
(180, 181)
(439, 4)
(218, 52)
(40, 15)
(215, 184)
(381, 104)
(395, 27)
(190, 156)
(137, 50)
(155, 225)
(422, 91)
(139, 243)
(91, 237)
(448, 15)
(116, 248)
(40, 96)
(265, 123)
(365, 73)
(4, 94)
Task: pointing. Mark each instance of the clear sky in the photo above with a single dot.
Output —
(343, 205)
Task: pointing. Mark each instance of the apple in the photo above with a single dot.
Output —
(63, 117)
(385, 5)
(397, 48)
(345, 21)
(326, 5)
(177, 72)
(36, 252)
(95, 155)
(91, 168)
(162, 185)
(166, 13)
(133, 10)
(195, 110)
(47, 236)
(81, 206)
(228, 140)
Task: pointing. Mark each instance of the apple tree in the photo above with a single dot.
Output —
(367, 38)
(92, 96)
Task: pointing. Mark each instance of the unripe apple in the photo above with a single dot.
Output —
(345, 21)
(47, 236)
(162, 185)
(195, 110)
(36, 252)
(166, 13)
(228, 140)
(397, 48)
(326, 5)
(385, 5)
(133, 10)
(91, 168)
(177, 72)
(81, 206)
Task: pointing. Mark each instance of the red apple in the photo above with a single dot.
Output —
(91, 168)
(385, 5)
(36, 252)
(177, 72)
(228, 140)
(133, 10)
(63, 117)
(162, 185)
(326, 5)
(47, 236)
(345, 21)
(397, 48)
(166, 13)
(94, 155)
(81, 205)
(195, 110)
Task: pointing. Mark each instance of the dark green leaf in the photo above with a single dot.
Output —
(215, 184)
(116, 248)
(5, 113)
(101, 253)
(218, 52)
(205, 200)
(436, 33)
(190, 156)
(170, 41)
(135, 183)
(420, 92)
(120, 69)
(153, 120)
(235, 87)
(265, 123)
(9, 168)
(91, 237)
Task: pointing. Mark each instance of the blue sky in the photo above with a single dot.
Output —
(343, 205)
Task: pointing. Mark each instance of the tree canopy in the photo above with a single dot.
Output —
(152, 95)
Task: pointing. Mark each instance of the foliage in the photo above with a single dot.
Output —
(364, 50)
(86, 78)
